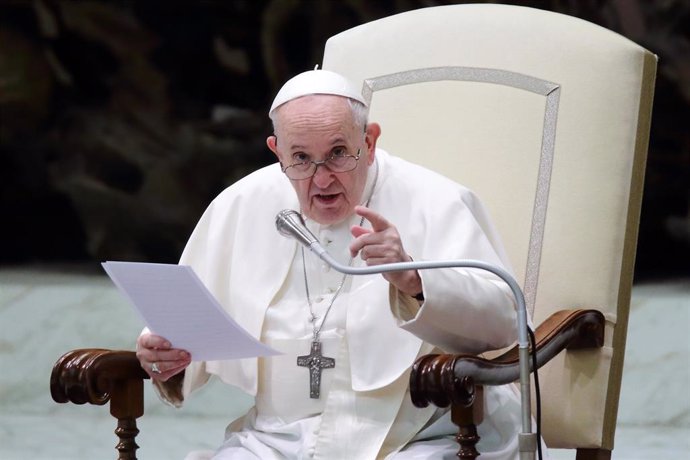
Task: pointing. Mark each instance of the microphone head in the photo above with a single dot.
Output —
(286, 220)
(289, 223)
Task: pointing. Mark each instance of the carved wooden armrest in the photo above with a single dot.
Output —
(455, 379)
(96, 376)
(445, 379)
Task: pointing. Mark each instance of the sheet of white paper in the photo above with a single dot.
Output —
(175, 304)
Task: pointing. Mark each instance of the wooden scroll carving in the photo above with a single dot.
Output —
(98, 376)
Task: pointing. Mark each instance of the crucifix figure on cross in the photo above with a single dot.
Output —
(315, 361)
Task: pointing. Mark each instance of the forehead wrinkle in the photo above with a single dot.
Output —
(324, 116)
(317, 122)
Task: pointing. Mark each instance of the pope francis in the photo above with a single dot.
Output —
(339, 390)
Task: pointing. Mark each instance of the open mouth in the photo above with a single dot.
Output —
(326, 199)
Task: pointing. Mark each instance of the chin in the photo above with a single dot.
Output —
(329, 217)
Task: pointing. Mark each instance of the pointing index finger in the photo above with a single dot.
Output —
(378, 222)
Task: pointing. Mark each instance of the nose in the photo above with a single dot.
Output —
(323, 177)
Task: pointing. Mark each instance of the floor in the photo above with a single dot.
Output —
(44, 313)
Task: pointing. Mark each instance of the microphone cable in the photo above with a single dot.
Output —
(537, 393)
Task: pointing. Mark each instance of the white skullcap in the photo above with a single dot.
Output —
(316, 82)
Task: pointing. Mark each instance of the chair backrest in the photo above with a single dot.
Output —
(547, 118)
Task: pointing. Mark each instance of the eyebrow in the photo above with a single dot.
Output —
(336, 141)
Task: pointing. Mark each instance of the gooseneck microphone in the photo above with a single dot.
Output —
(290, 224)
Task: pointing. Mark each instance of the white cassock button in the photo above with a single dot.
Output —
(319, 299)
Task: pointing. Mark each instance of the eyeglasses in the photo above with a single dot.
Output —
(336, 162)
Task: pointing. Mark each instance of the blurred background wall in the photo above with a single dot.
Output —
(121, 120)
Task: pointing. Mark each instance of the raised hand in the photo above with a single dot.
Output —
(381, 245)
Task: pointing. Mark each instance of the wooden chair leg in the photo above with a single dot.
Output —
(127, 431)
(127, 404)
(467, 435)
(466, 417)
(593, 454)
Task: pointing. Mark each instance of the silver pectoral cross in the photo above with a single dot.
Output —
(315, 361)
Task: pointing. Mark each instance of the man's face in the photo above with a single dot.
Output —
(314, 127)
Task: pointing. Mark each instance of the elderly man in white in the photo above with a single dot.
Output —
(339, 390)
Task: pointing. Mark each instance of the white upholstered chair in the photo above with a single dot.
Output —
(547, 118)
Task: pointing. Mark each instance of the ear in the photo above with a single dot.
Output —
(272, 143)
(371, 135)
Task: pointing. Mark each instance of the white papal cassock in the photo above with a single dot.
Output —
(373, 331)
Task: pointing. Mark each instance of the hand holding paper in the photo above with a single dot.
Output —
(174, 303)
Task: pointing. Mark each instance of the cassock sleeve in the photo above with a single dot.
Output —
(465, 310)
(482, 318)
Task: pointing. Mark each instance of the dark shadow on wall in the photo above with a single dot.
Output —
(121, 120)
